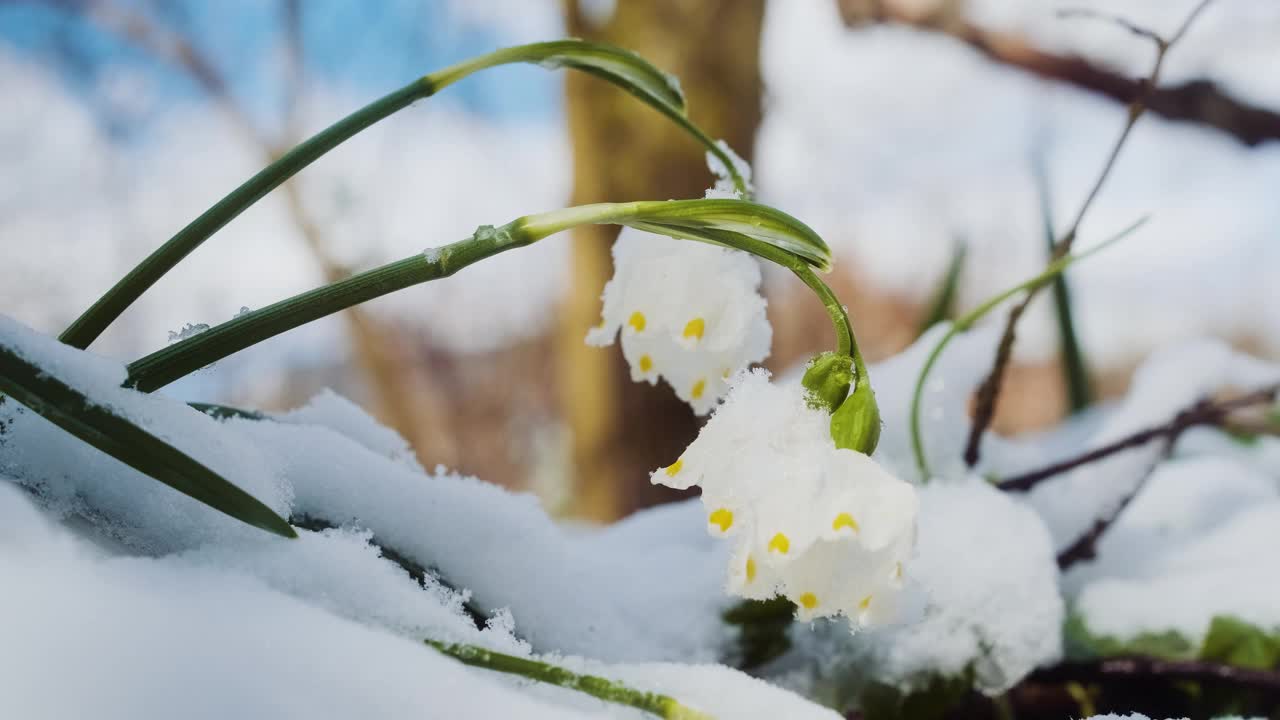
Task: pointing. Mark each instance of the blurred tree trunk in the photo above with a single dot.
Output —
(624, 151)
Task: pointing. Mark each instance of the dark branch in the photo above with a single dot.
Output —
(1204, 412)
(1140, 669)
(1200, 102)
(989, 389)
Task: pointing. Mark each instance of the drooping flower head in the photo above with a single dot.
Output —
(687, 312)
(826, 527)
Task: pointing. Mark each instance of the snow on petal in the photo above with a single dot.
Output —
(794, 506)
(687, 312)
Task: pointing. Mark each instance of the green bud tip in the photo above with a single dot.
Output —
(855, 425)
(828, 379)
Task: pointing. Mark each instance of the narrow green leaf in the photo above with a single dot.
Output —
(620, 67)
(1074, 370)
(1236, 642)
(943, 306)
(120, 438)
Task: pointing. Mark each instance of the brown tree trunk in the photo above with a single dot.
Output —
(624, 151)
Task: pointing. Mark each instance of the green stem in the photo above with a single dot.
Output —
(90, 325)
(661, 705)
(965, 322)
(180, 359)
(669, 217)
(612, 64)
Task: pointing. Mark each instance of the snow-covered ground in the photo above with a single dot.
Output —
(148, 602)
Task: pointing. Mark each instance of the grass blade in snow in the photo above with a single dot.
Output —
(943, 306)
(120, 438)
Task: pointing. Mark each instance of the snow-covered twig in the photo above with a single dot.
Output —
(1205, 412)
(989, 391)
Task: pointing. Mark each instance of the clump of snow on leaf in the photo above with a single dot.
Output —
(690, 313)
(824, 526)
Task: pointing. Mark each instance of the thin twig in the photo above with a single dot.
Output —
(1085, 547)
(1139, 669)
(1203, 412)
(989, 391)
(1198, 101)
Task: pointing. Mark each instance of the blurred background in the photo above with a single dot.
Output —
(900, 130)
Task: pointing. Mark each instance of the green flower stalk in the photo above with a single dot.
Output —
(620, 67)
(608, 690)
(744, 225)
(967, 321)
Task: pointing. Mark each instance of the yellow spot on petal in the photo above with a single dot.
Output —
(637, 321)
(809, 601)
(724, 374)
(865, 603)
(897, 571)
(779, 544)
(844, 520)
(674, 468)
(698, 388)
(722, 517)
(751, 568)
(694, 328)
(646, 363)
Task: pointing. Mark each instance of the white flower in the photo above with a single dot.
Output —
(688, 312)
(826, 527)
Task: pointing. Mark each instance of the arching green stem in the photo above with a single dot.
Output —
(620, 67)
(966, 321)
(721, 222)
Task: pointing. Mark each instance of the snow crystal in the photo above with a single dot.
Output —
(724, 187)
(188, 330)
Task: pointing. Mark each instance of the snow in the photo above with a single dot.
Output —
(1188, 548)
(1171, 380)
(987, 589)
(276, 620)
(853, 142)
(987, 570)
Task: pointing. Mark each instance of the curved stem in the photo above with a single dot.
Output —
(614, 65)
(965, 322)
(93, 321)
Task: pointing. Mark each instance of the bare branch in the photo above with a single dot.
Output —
(1200, 102)
(989, 391)
(1202, 413)
(1138, 669)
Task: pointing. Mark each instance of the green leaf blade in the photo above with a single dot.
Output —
(115, 435)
